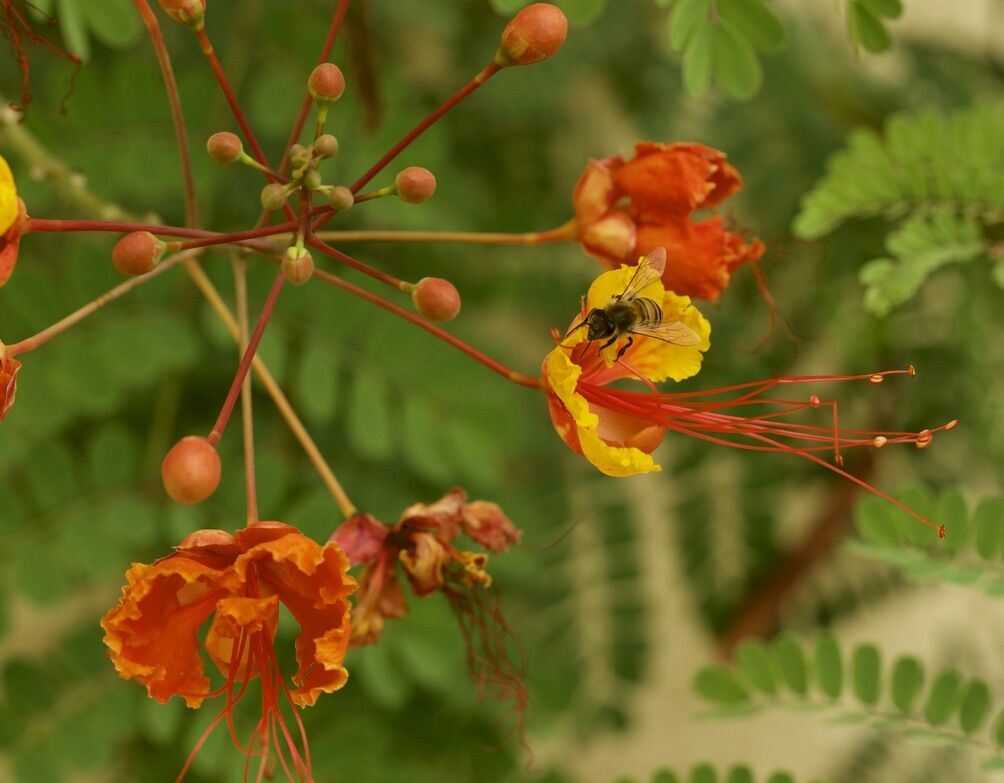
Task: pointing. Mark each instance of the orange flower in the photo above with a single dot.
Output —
(8, 381)
(239, 581)
(624, 209)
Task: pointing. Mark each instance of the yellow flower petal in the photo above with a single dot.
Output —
(8, 197)
(562, 374)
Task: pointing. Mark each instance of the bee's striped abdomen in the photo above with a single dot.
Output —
(647, 310)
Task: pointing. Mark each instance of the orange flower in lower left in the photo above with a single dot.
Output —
(239, 581)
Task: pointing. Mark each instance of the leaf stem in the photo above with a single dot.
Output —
(240, 265)
(564, 232)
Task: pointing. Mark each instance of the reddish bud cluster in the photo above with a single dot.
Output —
(436, 299)
(273, 196)
(534, 34)
(191, 470)
(137, 253)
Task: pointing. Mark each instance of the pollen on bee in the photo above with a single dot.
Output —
(924, 438)
(879, 441)
(876, 378)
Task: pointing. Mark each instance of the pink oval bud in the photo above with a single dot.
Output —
(191, 470)
(326, 83)
(534, 34)
(298, 266)
(436, 299)
(415, 184)
(137, 253)
(191, 13)
(273, 196)
(224, 147)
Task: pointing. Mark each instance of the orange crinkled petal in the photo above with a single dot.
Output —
(153, 631)
(312, 582)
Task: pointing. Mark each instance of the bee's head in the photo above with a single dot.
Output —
(598, 325)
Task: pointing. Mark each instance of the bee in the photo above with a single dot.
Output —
(629, 313)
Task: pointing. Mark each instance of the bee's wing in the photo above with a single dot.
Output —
(649, 270)
(677, 332)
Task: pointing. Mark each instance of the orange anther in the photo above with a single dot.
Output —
(951, 425)
(924, 438)
(814, 400)
(876, 378)
(880, 441)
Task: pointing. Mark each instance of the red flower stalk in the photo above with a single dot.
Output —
(20, 35)
(239, 581)
(624, 209)
(422, 542)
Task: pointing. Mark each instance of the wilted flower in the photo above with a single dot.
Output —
(624, 209)
(239, 581)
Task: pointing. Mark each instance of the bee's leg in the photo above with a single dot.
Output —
(624, 347)
(608, 343)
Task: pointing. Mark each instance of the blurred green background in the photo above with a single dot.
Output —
(623, 589)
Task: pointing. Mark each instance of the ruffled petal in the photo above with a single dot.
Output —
(595, 192)
(611, 238)
(10, 241)
(153, 631)
(311, 581)
(561, 375)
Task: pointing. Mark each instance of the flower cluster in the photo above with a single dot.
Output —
(626, 208)
(13, 219)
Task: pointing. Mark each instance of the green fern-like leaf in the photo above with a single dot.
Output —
(919, 247)
(720, 41)
(971, 555)
(954, 710)
(708, 773)
(940, 174)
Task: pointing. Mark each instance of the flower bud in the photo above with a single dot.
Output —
(326, 83)
(326, 146)
(415, 184)
(224, 147)
(273, 196)
(137, 253)
(191, 470)
(534, 34)
(436, 299)
(191, 13)
(299, 156)
(312, 179)
(341, 198)
(297, 265)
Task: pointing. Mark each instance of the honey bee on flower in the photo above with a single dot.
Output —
(630, 313)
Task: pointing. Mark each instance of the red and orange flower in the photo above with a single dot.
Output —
(625, 208)
(239, 581)
(13, 219)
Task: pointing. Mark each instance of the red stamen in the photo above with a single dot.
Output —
(768, 431)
